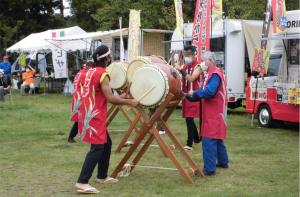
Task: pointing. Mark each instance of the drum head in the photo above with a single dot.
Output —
(133, 66)
(117, 73)
(146, 78)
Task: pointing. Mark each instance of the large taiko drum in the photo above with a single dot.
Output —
(151, 84)
(117, 72)
(141, 61)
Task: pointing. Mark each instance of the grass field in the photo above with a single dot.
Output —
(35, 159)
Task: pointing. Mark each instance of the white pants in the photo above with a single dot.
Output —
(31, 85)
(23, 86)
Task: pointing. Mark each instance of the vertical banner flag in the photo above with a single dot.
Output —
(134, 34)
(261, 61)
(22, 59)
(179, 17)
(217, 7)
(122, 52)
(279, 18)
(201, 27)
(59, 59)
(178, 35)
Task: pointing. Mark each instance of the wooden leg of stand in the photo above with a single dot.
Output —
(112, 116)
(173, 158)
(181, 149)
(128, 132)
(140, 137)
(142, 151)
(112, 107)
(147, 124)
(127, 117)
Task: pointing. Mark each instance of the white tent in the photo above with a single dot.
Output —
(43, 41)
(94, 35)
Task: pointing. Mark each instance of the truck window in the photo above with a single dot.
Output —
(274, 63)
(293, 51)
(217, 44)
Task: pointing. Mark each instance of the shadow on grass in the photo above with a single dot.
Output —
(294, 127)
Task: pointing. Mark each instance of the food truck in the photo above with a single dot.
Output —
(276, 96)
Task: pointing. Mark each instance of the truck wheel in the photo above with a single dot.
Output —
(264, 116)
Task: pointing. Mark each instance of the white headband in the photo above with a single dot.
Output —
(104, 55)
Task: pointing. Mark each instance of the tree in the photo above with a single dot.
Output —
(154, 14)
(19, 18)
(82, 12)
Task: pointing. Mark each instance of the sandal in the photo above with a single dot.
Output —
(107, 180)
(85, 189)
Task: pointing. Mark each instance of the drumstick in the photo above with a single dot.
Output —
(145, 94)
(191, 86)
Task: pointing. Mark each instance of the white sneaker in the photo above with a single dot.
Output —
(161, 132)
(188, 148)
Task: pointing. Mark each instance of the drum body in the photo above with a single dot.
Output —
(141, 61)
(118, 75)
(157, 78)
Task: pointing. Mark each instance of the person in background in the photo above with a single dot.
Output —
(28, 79)
(76, 99)
(92, 121)
(190, 110)
(214, 114)
(4, 86)
(6, 66)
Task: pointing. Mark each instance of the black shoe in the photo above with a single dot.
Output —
(208, 173)
(222, 166)
(71, 140)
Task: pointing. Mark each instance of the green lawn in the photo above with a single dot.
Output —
(35, 159)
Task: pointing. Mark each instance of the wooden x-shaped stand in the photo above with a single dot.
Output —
(113, 111)
(159, 116)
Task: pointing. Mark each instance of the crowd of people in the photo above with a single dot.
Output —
(204, 88)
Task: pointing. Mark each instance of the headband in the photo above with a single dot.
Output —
(104, 55)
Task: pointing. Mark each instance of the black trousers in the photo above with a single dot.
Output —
(192, 131)
(74, 130)
(98, 154)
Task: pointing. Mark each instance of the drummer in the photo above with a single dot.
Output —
(92, 121)
(191, 73)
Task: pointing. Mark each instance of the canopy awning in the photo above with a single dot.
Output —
(42, 41)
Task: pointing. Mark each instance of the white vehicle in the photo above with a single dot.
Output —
(228, 41)
(277, 95)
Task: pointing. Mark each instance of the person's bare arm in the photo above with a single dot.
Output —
(193, 76)
(31, 68)
(115, 99)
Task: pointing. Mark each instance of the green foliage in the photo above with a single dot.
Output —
(19, 18)
(82, 12)
(154, 14)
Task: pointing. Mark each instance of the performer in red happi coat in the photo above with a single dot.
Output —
(92, 121)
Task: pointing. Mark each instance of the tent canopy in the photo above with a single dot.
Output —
(94, 35)
(43, 41)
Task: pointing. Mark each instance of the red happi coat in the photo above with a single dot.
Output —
(190, 109)
(214, 109)
(76, 99)
(92, 117)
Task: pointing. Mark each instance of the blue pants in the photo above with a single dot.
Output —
(213, 150)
